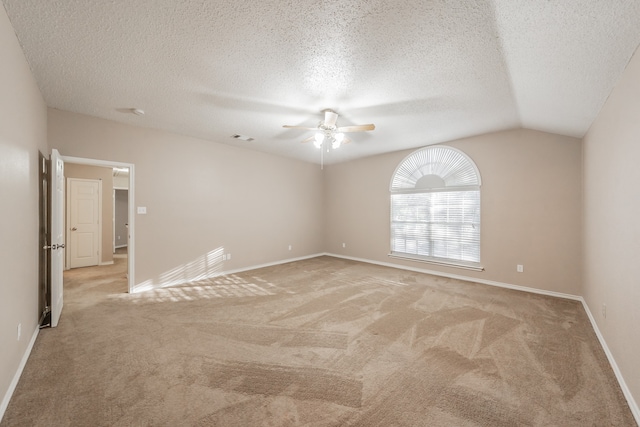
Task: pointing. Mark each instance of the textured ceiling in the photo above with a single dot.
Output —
(423, 71)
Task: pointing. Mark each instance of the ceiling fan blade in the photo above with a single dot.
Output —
(356, 128)
(311, 138)
(330, 118)
(298, 127)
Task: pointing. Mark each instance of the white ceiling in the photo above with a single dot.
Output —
(424, 71)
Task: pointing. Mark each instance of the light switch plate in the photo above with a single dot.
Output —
(142, 210)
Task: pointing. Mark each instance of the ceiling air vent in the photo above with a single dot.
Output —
(242, 137)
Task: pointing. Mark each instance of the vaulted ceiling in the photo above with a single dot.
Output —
(423, 71)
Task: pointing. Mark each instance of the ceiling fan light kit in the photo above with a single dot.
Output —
(334, 138)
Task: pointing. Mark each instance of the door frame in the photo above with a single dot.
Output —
(44, 275)
(68, 203)
(131, 210)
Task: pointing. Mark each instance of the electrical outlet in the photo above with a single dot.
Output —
(344, 245)
(604, 310)
(520, 268)
(224, 257)
(19, 331)
(289, 247)
(228, 257)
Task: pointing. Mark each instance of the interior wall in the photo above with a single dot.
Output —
(530, 209)
(612, 223)
(23, 121)
(203, 199)
(105, 175)
(121, 211)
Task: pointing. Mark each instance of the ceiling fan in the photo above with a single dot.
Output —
(328, 132)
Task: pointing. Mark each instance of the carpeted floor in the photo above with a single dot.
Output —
(321, 342)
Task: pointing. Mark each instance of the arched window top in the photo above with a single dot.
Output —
(435, 167)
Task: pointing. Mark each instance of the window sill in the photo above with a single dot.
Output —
(466, 266)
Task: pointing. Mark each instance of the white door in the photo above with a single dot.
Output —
(83, 206)
(57, 235)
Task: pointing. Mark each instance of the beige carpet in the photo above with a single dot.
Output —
(321, 342)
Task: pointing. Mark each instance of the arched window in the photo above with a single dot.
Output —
(435, 208)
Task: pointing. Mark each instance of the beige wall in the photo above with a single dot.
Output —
(202, 198)
(530, 211)
(23, 120)
(612, 223)
(106, 176)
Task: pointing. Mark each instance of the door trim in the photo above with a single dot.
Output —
(131, 166)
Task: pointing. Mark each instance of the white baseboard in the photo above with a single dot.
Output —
(269, 264)
(461, 277)
(105, 263)
(16, 377)
(148, 285)
(120, 246)
(623, 385)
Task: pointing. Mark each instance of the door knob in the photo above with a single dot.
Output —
(74, 229)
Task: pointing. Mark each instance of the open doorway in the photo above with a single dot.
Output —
(120, 221)
(120, 213)
(58, 217)
(114, 177)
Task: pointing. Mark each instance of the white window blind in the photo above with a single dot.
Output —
(441, 225)
(435, 207)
